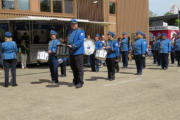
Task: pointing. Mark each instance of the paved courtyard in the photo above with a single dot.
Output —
(153, 96)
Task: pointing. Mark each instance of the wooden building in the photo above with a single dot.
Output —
(128, 15)
(35, 18)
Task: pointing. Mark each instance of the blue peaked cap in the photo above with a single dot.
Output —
(165, 34)
(53, 32)
(98, 35)
(111, 33)
(8, 34)
(74, 21)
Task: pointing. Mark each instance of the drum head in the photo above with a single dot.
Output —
(89, 47)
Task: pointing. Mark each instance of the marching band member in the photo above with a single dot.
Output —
(173, 49)
(125, 48)
(53, 60)
(139, 52)
(9, 54)
(76, 43)
(146, 50)
(113, 53)
(165, 49)
(177, 48)
(154, 51)
(94, 61)
(158, 48)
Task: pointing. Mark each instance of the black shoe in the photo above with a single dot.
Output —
(79, 85)
(138, 74)
(6, 85)
(14, 85)
(165, 68)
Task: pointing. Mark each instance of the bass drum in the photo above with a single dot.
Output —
(101, 54)
(89, 47)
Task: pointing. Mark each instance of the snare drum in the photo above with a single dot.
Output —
(101, 54)
(62, 51)
(42, 56)
(89, 47)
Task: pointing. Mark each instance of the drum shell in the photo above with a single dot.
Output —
(42, 56)
(89, 47)
(101, 54)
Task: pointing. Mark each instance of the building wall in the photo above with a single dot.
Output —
(132, 15)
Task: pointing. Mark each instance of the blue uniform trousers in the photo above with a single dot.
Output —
(172, 57)
(154, 56)
(63, 68)
(125, 58)
(53, 65)
(178, 57)
(139, 63)
(159, 58)
(94, 63)
(111, 68)
(76, 62)
(164, 60)
(10, 64)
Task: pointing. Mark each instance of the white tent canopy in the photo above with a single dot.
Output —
(37, 18)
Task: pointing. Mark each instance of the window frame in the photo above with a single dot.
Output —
(114, 8)
(23, 10)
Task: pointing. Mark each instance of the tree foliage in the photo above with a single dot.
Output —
(152, 14)
(177, 23)
(168, 13)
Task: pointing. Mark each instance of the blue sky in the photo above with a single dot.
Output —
(162, 6)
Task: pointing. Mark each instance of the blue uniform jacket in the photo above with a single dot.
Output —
(99, 45)
(158, 45)
(53, 46)
(113, 51)
(165, 46)
(177, 44)
(145, 45)
(139, 47)
(154, 45)
(124, 45)
(76, 41)
(9, 50)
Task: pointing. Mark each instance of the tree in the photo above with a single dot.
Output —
(177, 23)
(152, 14)
(168, 13)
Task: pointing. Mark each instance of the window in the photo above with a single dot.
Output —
(8, 4)
(112, 8)
(45, 5)
(57, 6)
(68, 6)
(23, 4)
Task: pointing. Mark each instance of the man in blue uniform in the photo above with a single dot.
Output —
(177, 48)
(125, 48)
(139, 52)
(53, 60)
(76, 38)
(146, 50)
(158, 48)
(113, 54)
(9, 54)
(94, 61)
(154, 51)
(165, 49)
